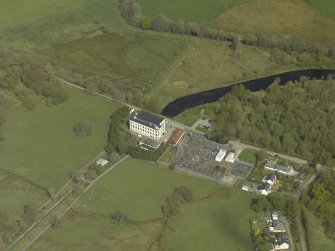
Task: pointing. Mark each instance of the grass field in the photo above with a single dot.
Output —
(326, 7)
(213, 224)
(134, 56)
(248, 155)
(202, 12)
(41, 146)
(295, 19)
(211, 64)
(138, 188)
(16, 192)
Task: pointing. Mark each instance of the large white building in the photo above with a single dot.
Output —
(147, 124)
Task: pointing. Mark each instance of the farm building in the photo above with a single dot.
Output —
(219, 157)
(147, 124)
(176, 137)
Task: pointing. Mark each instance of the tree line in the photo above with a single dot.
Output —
(26, 77)
(131, 12)
(320, 200)
(297, 118)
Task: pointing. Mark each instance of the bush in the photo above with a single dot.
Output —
(82, 129)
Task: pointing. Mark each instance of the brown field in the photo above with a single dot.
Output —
(296, 19)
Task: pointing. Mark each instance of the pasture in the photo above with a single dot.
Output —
(211, 64)
(295, 19)
(15, 192)
(326, 7)
(40, 145)
(138, 188)
(202, 12)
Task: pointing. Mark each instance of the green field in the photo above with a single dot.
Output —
(202, 12)
(134, 56)
(326, 7)
(41, 146)
(213, 224)
(248, 155)
(138, 188)
(16, 192)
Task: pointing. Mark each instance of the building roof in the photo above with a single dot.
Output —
(271, 177)
(281, 238)
(147, 119)
(149, 143)
(264, 186)
(220, 155)
(176, 136)
(285, 169)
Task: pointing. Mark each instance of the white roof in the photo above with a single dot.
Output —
(219, 157)
(230, 157)
(102, 162)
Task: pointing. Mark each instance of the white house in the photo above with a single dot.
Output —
(219, 157)
(147, 124)
(270, 178)
(287, 170)
(230, 157)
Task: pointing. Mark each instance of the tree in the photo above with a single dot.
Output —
(119, 217)
(260, 155)
(28, 103)
(82, 129)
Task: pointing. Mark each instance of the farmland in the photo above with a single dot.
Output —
(40, 144)
(15, 192)
(326, 7)
(203, 12)
(140, 197)
(296, 19)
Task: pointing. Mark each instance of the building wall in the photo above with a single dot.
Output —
(147, 131)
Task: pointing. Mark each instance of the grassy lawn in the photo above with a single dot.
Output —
(296, 19)
(138, 188)
(169, 155)
(248, 155)
(213, 224)
(326, 7)
(41, 146)
(190, 116)
(202, 12)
